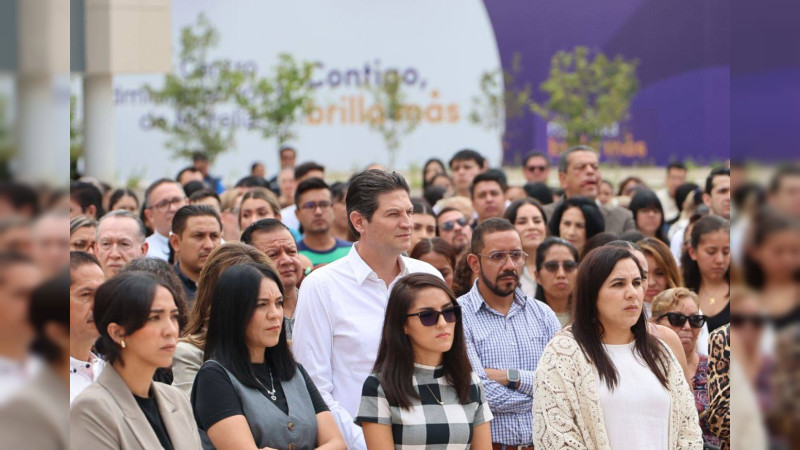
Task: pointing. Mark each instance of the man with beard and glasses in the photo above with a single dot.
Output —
(506, 331)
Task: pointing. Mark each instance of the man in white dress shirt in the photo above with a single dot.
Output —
(163, 198)
(341, 306)
(85, 276)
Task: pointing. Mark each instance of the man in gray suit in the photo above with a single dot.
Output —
(579, 175)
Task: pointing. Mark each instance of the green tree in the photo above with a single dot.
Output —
(586, 95)
(500, 98)
(277, 102)
(75, 137)
(397, 118)
(199, 86)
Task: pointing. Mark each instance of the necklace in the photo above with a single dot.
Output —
(440, 402)
(272, 383)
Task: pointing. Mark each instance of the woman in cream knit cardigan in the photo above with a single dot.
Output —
(607, 382)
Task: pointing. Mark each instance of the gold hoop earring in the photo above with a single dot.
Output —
(122, 343)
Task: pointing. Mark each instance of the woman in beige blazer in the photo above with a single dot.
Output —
(137, 318)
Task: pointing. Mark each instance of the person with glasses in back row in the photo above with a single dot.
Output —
(679, 309)
(163, 198)
(315, 213)
(422, 391)
(506, 331)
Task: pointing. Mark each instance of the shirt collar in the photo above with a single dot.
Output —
(184, 279)
(477, 301)
(78, 366)
(362, 270)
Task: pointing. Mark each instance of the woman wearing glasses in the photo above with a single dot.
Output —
(422, 392)
(528, 217)
(679, 309)
(556, 264)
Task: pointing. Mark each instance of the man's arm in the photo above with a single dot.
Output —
(312, 345)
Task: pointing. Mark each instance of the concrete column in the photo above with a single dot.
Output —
(35, 109)
(98, 121)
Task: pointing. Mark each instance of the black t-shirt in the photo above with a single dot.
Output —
(218, 399)
(722, 318)
(150, 409)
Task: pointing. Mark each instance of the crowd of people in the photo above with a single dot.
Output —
(295, 312)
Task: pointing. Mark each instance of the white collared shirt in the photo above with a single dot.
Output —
(14, 375)
(158, 246)
(82, 374)
(339, 320)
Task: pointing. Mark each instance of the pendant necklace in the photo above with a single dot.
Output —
(272, 383)
(440, 402)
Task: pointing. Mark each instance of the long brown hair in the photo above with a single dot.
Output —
(395, 362)
(659, 251)
(224, 256)
(595, 268)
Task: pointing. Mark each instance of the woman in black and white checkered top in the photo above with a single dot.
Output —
(422, 393)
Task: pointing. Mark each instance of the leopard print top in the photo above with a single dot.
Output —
(719, 380)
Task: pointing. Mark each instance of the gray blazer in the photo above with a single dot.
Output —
(106, 416)
(34, 418)
(618, 219)
(185, 363)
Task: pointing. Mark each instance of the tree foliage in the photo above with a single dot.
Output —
(398, 119)
(587, 94)
(500, 97)
(199, 87)
(277, 102)
(75, 137)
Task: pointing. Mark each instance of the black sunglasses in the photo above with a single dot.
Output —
(430, 317)
(678, 319)
(535, 168)
(552, 266)
(450, 224)
(740, 320)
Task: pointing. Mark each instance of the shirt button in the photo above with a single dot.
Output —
(292, 446)
(290, 426)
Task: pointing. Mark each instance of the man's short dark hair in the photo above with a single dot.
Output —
(488, 226)
(338, 191)
(21, 196)
(262, 226)
(199, 156)
(364, 189)
(302, 169)
(285, 148)
(536, 154)
(184, 170)
(251, 181)
(194, 186)
(185, 212)
(80, 259)
(782, 172)
(676, 165)
(484, 177)
(563, 161)
(255, 164)
(467, 155)
(85, 195)
(717, 172)
(204, 193)
(310, 184)
(153, 186)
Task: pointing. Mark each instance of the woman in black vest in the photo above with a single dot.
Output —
(250, 393)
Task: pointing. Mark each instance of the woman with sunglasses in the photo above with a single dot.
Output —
(556, 271)
(606, 382)
(422, 392)
(530, 221)
(678, 308)
(250, 393)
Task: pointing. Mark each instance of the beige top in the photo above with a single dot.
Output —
(185, 363)
(566, 405)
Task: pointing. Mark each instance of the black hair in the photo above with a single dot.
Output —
(194, 186)
(588, 330)
(598, 240)
(595, 223)
(85, 195)
(421, 206)
(781, 172)
(302, 169)
(484, 177)
(433, 194)
(310, 184)
(125, 299)
(252, 181)
(365, 188)
(338, 191)
(646, 199)
(539, 191)
(166, 273)
(676, 165)
(184, 170)
(285, 148)
(430, 161)
(79, 259)
(488, 226)
(50, 304)
(234, 302)
(254, 165)
(199, 156)
(204, 193)
(717, 172)
(467, 155)
(541, 253)
(627, 180)
(691, 271)
(764, 225)
(146, 204)
(395, 361)
(682, 192)
(535, 154)
(23, 197)
(434, 245)
(183, 214)
(262, 226)
(749, 193)
(118, 194)
(511, 212)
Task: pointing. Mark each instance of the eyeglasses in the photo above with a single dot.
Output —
(450, 224)
(678, 319)
(430, 317)
(535, 168)
(552, 266)
(311, 206)
(165, 204)
(756, 321)
(517, 257)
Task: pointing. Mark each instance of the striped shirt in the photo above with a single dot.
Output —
(513, 341)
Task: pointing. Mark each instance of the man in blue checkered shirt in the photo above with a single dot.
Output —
(506, 331)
